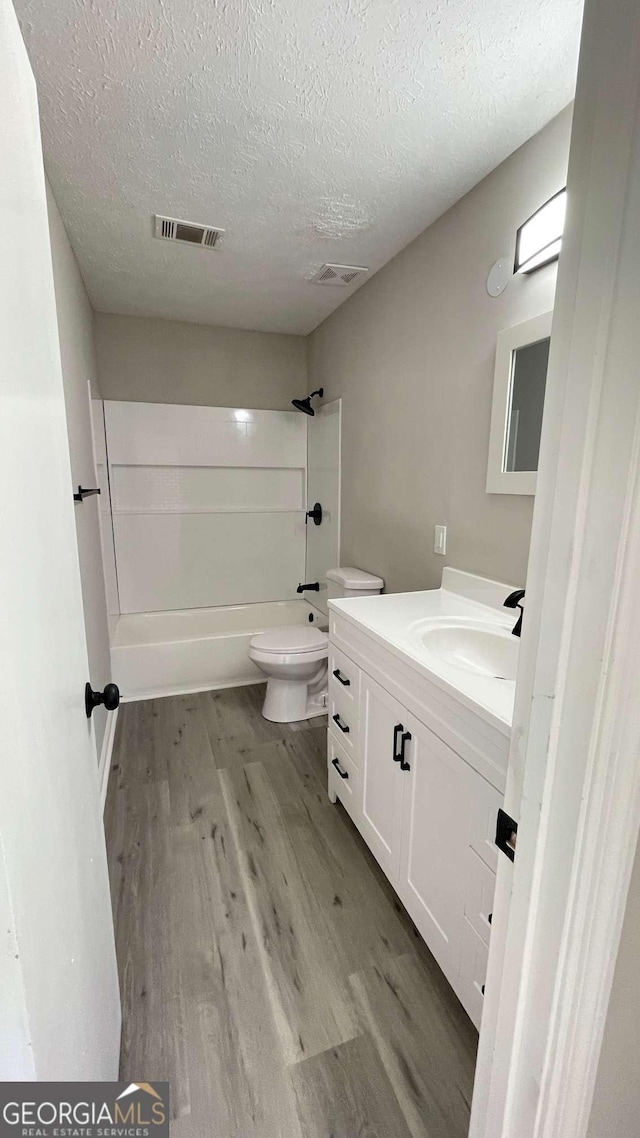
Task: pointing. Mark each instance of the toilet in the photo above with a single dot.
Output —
(294, 657)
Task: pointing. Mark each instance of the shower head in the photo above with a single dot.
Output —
(305, 404)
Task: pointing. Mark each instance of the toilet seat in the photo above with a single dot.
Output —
(290, 640)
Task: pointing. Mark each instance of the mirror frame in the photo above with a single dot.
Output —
(501, 481)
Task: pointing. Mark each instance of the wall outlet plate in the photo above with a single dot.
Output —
(440, 540)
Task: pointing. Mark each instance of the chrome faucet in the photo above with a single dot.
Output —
(514, 601)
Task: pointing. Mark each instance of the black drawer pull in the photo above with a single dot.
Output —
(404, 765)
(341, 679)
(397, 732)
(490, 918)
(336, 763)
(343, 727)
(483, 989)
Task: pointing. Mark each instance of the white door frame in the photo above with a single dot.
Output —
(574, 777)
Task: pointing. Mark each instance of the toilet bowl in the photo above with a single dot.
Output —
(294, 658)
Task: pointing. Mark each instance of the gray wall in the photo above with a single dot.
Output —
(75, 328)
(170, 361)
(412, 355)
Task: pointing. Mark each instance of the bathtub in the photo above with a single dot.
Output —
(167, 653)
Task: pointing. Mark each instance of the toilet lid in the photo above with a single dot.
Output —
(291, 638)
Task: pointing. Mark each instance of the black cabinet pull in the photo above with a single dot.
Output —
(336, 763)
(506, 834)
(343, 727)
(83, 493)
(490, 918)
(341, 679)
(404, 739)
(397, 732)
(483, 989)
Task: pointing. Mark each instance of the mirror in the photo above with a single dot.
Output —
(522, 355)
(528, 380)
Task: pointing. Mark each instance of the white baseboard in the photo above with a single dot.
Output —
(104, 766)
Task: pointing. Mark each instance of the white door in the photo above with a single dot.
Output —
(60, 1006)
(383, 725)
(435, 837)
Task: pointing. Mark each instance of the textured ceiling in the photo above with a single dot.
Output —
(311, 130)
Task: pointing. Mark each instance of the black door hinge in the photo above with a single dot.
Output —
(84, 492)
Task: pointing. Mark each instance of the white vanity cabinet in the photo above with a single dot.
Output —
(424, 780)
(382, 787)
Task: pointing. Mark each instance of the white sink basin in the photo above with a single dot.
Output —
(483, 649)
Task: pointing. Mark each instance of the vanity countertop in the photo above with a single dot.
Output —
(466, 612)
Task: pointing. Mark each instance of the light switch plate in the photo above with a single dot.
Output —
(440, 540)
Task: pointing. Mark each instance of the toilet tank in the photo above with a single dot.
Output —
(350, 582)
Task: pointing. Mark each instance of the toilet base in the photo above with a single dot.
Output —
(291, 701)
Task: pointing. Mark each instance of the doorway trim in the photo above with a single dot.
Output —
(574, 774)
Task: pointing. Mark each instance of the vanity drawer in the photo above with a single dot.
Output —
(344, 777)
(473, 971)
(487, 801)
(478, 903)
(343, 721)
(344, 681)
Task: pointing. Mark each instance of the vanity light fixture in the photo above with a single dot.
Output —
(539, 239)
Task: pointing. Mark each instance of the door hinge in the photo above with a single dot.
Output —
(506, 834)
(85, 492)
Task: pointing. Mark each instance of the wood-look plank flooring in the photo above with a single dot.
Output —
(267, 968)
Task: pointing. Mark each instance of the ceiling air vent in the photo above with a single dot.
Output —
(338, 274)
(172, 229)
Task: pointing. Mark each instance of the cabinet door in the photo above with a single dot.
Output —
(446, 804)
(473, 973)
(382, 720)
(435, 837)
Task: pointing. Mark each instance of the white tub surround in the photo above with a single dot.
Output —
(419, 727)
(208, 504)
(323, 485)
(166, 653)
(205, 537)
(104, 513)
